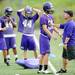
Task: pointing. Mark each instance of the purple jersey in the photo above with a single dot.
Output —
(2, 39)
(26, 25)
(9, 31)
(45, 20)
(69, 31)
(44, 38)
(1, 26)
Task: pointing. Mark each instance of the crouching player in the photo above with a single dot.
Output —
(3, 46)
(26, 26)
(9, 34)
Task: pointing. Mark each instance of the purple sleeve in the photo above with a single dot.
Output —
(19, 14)
(69, 30)
(2, 24)
(61, 26)
(35, 17)
(42, 20)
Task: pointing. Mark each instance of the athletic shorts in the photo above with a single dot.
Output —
(3, 44)
(44, 44)
(10, 42)
(28, 43)
(69, 53)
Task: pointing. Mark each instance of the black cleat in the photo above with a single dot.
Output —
(6, 61)
(16, 59)
(62, 71)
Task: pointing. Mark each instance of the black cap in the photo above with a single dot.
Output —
(69, 12)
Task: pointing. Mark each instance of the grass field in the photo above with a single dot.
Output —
(15, 69)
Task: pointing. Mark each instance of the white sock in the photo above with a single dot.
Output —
(15, 56)
(8, 56)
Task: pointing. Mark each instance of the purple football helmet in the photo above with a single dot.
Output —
(8, 11)
(47, 7)
(28, 9)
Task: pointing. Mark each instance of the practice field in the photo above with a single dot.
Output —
(55, 59)
(56, 51)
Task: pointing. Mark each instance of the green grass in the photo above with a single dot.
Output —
(59, 5)
(16, 69)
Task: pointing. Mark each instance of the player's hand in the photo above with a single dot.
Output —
(65, 46)
(60, 34)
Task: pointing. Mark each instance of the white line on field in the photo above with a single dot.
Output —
(52, 68)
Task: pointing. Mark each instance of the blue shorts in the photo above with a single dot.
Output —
(44, 44)
(3, 44)
(10, 42)
(28, 43)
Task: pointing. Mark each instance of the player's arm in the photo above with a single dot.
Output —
(56, 30)
(21, 10)
(65, 42)
(2, 28)
(13, 23)
(37, 10)
(46, 30)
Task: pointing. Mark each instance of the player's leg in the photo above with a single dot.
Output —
(45, 61)
(65, 62)
(7, 40)
(8, 55)
(35, 54)
(41, 64)
(15, 53)
(25, 54)
(4, 47)
(5, 55)
(32, 45)
(44, 50)
(24, 45)
(13, 46)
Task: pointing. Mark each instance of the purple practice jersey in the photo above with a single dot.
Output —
(44, 38)
(2, 40)
(45, 20)
(26, 25)
(1, 26)
(9, 31)
(69, 31)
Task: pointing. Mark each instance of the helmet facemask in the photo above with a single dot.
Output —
(28, 12)
(8, 11)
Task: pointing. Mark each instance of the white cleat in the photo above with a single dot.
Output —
(46, 72)
(41, 71)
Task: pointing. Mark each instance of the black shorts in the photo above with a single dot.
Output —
(69, 53)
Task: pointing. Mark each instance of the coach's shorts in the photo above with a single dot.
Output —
(44, 44)
(69, 53)
(2, 44)
(10, 42)
(28, 43)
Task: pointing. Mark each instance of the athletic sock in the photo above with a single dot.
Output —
(45, 67)
(40, 67)
(8, 57)
(16, 56)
